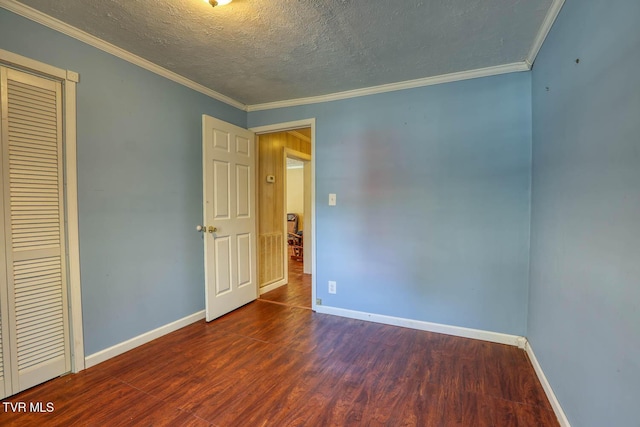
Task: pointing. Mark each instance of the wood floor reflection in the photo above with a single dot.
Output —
(269, 364)
(273, 365)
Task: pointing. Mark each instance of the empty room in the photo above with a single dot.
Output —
(464, 249)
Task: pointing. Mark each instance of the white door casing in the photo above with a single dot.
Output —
(30, 161)
(35, 247)
(306, 162)
(310, 239)
(229, 213)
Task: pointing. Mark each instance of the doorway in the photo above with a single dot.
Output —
(284, 279)
(297, 290)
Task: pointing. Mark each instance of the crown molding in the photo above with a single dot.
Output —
(64, 28)
(57, 25)
(391, 87)
(548, 22)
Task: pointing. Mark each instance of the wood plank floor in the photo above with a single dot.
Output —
(297, 292)
(269, 364)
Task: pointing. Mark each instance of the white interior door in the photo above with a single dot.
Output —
(229, 215)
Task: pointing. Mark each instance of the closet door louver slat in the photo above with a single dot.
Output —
(3, 391)
(34, 212)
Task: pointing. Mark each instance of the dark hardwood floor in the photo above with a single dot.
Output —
(269, 364)
(297, 292)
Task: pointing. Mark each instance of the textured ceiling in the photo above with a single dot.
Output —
(258, 51)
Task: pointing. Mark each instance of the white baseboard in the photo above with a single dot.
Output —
(134, 342)
(555, 404)
(497, 337)
(275, 285)
(458, 331)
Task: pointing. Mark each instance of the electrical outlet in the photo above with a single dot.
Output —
(332, 287)
(318, 301)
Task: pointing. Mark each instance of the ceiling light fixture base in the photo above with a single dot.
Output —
(215, 3)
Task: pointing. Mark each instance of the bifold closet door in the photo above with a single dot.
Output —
(34, 309)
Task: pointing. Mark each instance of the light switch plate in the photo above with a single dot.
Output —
(332, 199)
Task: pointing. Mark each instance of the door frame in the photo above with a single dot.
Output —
(289, 153)
(69, 80)
(282, 127)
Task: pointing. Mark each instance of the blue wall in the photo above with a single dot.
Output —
(433, 185)
(432, 219)
(584, 314)
(139, 184)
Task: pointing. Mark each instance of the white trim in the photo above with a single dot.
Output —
(73, 76)
(543, 32)
(307, 220)
(297, 125)
(555, 404)
(123, 347)
(283, 127)
(31, 64)
(305, 159)
(421, 325)
(314, 235)
(272, 286)
(73, 239)
(409, 84)
(64, 28)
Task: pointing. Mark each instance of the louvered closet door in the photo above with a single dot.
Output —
(5, 372)
(34, 218)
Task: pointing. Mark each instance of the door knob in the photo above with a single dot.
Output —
(212, 229)
(200, 228)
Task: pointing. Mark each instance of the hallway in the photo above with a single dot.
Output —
(297, 293)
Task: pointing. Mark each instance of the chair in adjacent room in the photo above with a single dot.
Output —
(294, 237)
